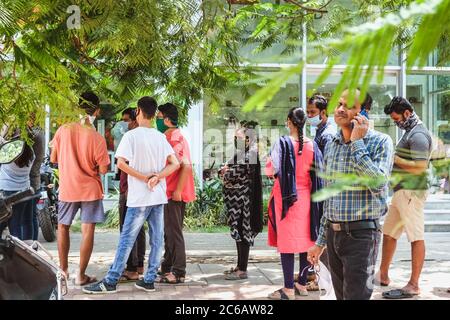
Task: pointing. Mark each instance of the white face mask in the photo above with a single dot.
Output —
(314, 121)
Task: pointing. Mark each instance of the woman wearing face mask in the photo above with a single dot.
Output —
(242, 187)
(294, 220)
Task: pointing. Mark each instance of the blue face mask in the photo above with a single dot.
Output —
(314, 121)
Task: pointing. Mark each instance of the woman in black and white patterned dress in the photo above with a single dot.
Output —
(242, 187)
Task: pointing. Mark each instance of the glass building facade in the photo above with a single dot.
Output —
(428, 89)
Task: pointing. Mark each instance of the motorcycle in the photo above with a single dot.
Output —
(27, 270)
(47, 204)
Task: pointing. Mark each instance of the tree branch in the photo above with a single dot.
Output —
(309, 9)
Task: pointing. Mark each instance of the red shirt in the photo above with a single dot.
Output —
(181, 148)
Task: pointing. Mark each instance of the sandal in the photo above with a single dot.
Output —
(397, 294)
(127, 278)
(160, 273)
(231, 270)
(88, 280)
(312, 286)
(302, 293)
(236, 276)
(281, 295)
(178, 279)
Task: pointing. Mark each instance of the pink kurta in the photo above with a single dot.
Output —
(293, 232)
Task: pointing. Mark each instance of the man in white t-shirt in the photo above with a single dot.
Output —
(151, 159)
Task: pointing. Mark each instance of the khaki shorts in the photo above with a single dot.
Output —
(406, 214)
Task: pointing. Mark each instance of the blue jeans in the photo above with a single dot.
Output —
(35, 221)
(20, 224)
(134, 220)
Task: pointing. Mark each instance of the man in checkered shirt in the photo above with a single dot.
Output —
(350, 226)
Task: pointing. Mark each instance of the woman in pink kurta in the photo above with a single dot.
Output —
(293, 232)
(290, 233)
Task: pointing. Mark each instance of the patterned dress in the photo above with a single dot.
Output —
(237, 197)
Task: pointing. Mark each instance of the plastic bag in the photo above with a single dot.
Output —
(325, 283)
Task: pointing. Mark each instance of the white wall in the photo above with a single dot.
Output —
(194, 134)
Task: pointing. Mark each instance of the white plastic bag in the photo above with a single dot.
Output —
(325, 283)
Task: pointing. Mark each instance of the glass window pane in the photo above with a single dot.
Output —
(220, 122)
(381, 95)
(429, 96)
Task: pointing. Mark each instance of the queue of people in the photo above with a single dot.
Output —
(156, 184)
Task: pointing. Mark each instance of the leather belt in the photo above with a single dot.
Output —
(355, 225)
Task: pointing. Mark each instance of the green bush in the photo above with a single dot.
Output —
(112, 218)
(208, 210)
(207, 213)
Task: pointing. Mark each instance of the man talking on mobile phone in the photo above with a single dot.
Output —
(350, 227)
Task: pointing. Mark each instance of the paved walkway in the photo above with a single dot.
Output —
(210, 254)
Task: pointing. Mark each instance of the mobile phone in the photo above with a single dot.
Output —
(363, 112)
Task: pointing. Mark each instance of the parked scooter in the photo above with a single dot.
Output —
(47, 205)
(27, 271)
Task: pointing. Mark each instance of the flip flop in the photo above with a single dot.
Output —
(397, 294)
(88, 280)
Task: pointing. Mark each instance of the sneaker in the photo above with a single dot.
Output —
(100, 288)
(142, 285)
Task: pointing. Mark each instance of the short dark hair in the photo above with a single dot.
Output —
(367, 103)
(148, 106)
(319, 101)
(398, 105)
(131, 112)
(89, 102)
(170, 111)
(368, 100)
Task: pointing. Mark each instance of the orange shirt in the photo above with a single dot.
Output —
(181, 148)
(80, 150)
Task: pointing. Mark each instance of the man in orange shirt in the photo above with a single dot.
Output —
(81, 154)
(180, 190)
